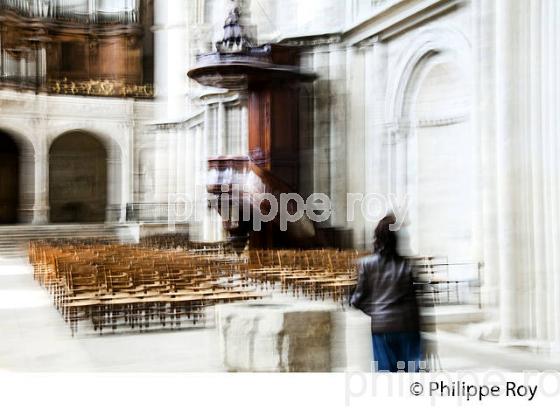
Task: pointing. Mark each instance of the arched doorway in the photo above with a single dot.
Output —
(77, 179)
(438, 171)
(445, 166)
(9, 179)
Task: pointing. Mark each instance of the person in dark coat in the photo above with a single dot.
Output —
(385, 292)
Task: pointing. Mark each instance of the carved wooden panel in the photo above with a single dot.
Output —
(274, 131)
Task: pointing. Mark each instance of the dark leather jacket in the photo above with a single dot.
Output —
(385, 292)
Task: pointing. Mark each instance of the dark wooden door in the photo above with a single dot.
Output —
(9, 179)
(77, 179)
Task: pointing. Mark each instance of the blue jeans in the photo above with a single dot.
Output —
(391, 348)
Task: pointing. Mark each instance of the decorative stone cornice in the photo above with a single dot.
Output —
(396, 132)
(442, 121)
(386, 22)
(394, 19)
(313, 41)
(368, 42)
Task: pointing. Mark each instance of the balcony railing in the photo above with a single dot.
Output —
(89, 88)
(100, 88)
(78, 11)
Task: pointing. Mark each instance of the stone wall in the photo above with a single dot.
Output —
(35, 121)
(275, 337)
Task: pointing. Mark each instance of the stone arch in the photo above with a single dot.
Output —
(117, 165)
(78, 163)
(443, 42)
(16, 176)
(110, 142)
(427, 136)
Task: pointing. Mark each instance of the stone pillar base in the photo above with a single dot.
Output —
(40, 216)
(262, 337)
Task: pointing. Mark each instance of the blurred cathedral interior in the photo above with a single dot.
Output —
(120, 117)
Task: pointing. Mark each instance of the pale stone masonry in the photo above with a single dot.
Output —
(275, 337)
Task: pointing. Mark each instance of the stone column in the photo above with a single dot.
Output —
(127, 172)
(41, 65)
(506, 139)
(193, 136)
(359, 85)
(379, 130)
(161, 169)
(484, 124)
(534, 137)
(172, 138)
(551, 182)
(221, 137)
(477, 211)
(375, 165)
(26, 184)
(556, 176)
(403, 167)
(198, 176)
(41, 205)
(181, 161)
(205, 214)
(170, 65)
(22, 67)
(321, 122)
(522, 176)
(337, 141)
(115, 177)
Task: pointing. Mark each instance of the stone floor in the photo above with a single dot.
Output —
(35, 338)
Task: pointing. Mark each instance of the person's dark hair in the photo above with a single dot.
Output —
(385, 241)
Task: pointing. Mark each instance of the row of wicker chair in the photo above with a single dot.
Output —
(315, 274)
(113, 284)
